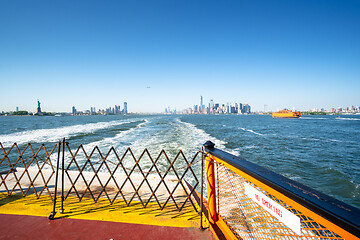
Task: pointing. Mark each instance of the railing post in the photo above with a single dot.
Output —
(52, 214)
(211, 189)
(62, 177)
(202, 188)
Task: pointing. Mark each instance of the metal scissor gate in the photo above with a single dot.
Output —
(83, 173)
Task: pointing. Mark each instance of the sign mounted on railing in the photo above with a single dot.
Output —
(282, 214)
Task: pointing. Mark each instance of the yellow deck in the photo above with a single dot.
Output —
(102, 210)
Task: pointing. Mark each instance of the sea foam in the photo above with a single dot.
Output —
(55, 134)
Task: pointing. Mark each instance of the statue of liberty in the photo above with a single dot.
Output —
(38, 108)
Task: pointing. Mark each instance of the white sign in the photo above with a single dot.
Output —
(283, 215)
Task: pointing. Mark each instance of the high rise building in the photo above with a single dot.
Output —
(117, 109)
(202, 106)
(240, 109)
(125, 108)
(211, 104)
(246, 108)
(73, 110)
(228, 108)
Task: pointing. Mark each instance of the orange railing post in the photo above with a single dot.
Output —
(211, 190)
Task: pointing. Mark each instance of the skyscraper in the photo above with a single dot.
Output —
(125, 108)
(117, 109)
(246, 108)
(211, 103)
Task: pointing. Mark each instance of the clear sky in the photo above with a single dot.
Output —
(160, 53)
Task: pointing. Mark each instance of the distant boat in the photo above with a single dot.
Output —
(286, 114)
(58, 115)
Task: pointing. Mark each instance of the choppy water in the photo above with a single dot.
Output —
(322, 152)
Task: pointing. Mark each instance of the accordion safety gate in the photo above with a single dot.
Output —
(63, 172)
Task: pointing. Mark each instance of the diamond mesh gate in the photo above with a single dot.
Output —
(29, 170)
(84, 173)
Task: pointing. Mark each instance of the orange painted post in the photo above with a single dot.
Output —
(211, 190)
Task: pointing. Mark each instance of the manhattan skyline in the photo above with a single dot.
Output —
(281, 54)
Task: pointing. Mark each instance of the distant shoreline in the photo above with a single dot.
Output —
(256, 113)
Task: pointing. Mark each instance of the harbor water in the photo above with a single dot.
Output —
(322, 152)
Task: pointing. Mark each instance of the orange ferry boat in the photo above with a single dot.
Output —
(286, 114)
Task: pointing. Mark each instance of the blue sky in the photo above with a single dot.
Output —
(286, 54)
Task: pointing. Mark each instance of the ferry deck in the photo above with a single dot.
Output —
(212, 195)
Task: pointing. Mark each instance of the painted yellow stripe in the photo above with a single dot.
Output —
(102, 211)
